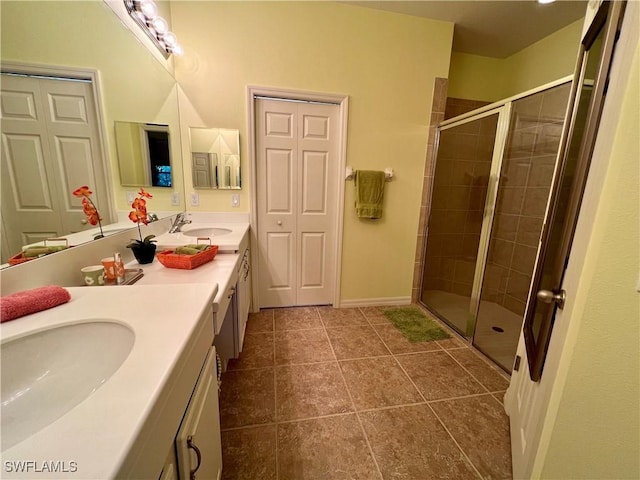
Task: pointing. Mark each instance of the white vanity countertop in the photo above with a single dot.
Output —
(218, 271)
(99, 433)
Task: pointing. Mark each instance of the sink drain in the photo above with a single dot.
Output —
(498, 329)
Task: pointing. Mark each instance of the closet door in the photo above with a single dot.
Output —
(276, 144)
(50, 147)
(297, 158)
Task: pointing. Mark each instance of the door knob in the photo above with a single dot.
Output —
(83, 221)
(547, 296)
(279, 222)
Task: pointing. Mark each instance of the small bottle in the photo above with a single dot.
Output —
(118, 268)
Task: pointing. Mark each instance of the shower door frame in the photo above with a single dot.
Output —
(503, 108)
(502, 129)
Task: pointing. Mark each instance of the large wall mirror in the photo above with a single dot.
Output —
(130, 83)
(215, 158)
(144, 154)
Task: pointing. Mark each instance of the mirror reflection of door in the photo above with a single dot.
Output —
(50, 147)
(201, 168)
(144, 157)
(215, 158)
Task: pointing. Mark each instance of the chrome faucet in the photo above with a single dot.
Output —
(178, 223)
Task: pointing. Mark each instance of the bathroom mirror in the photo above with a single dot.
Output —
(133, 85)
(144, 154)
(215, 158)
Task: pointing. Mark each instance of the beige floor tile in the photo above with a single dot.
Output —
(398, 343)
(257, 352)
(302, 346)
(341, 317)
(378, 382)
(499, 396)
(297, 318)
(484, 373)
(375, 315)
(450, 343)
(247, 397)
(312, 390)
(249, 453)
(303, 406)
(481, 428)
(324, 449)
(260, 322)
(438, 376)
(355, 342)
(410, 443)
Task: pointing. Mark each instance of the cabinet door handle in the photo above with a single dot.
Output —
(191, 445)
(232, 290)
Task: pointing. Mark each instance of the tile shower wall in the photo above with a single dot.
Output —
(437, 115)
(458, 106)
(457, 204)
(527, 171)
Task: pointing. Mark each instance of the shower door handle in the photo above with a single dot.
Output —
(547, 296)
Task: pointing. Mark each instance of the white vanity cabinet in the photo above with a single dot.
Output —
(170, 468)
(232, 310)
(198, 446)
(244, 297)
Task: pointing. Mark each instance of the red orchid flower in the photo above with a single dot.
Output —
(88, 207)
(82, 191)
(93, 217)
(144, 193)
(139, 215)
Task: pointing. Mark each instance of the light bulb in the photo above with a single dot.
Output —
(148, 9)
(177, 50)
(170, 39)
(159, 24)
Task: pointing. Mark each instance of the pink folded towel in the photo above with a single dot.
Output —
(23, 303)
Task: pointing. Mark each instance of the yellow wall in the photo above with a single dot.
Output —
(490, 79)
(135, 86)
(596, 430)
(475, 77)
(385, 62)
(547, 60)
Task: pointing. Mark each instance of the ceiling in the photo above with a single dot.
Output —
(496, 28)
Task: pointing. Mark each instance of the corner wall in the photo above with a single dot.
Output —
(387, 64)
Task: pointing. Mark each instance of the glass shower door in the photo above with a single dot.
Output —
(466, 150)
(525, 183)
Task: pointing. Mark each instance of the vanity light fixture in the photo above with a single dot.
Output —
(145, 14)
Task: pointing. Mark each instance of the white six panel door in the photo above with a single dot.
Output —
(297, 155)
(49, 148)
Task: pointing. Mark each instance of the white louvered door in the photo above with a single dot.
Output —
(297, 163)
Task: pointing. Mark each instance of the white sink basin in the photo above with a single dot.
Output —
(206, 232)
(47, 373)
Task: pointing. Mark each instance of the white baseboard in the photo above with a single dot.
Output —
(374, 302)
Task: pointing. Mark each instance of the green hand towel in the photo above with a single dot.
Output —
(186, 251)
(369, 193)
(37, 251)
(198, 246)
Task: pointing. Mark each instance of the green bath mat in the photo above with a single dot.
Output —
(414, 325)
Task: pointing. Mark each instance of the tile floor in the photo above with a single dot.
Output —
(323, 393)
